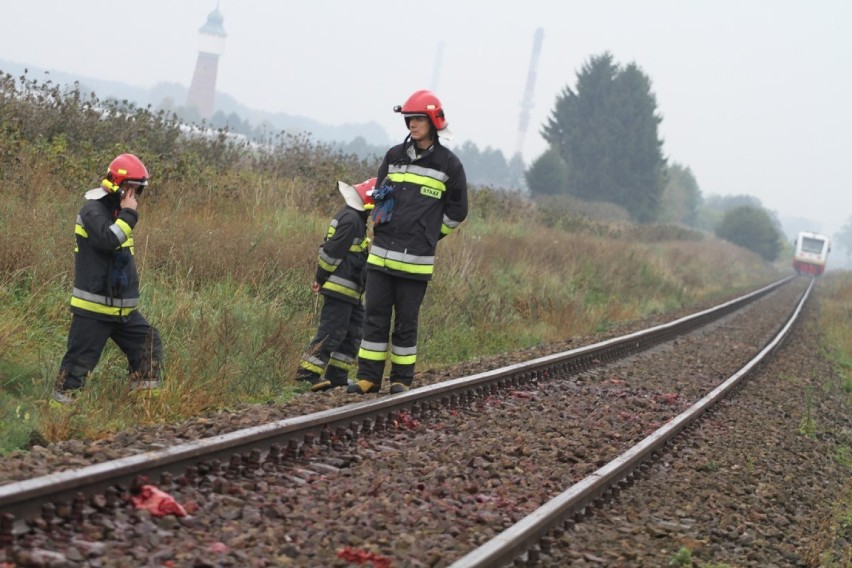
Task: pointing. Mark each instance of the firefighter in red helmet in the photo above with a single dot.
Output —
(422, 197)
(340, 275)
(105, 296)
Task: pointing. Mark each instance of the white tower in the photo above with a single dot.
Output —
(211, 45)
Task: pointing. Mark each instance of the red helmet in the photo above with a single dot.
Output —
(125, 168)
(424, 103)
(365, 192)
(360, 196)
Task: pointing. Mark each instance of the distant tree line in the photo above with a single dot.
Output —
(488, 167)
(604, 146)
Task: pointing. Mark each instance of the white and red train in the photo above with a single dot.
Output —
(810, 254)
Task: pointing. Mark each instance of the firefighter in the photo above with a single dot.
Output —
(340, 277)
(422, 198)
(106, 286)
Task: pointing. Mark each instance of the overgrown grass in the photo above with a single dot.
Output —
(835, 324)
(832, 546)
(227, 245)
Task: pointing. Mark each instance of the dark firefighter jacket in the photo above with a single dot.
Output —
(430, 192)
(106, 284)
(343, 256)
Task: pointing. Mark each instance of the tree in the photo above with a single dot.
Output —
(751, 228)
(714, 207)
(488, 167)
(606, 133)
(844, 238)
(681, 196)
(548, 174)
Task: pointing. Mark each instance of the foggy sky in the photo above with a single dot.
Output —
(755, 95)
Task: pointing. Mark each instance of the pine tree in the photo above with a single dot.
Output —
(606, 133)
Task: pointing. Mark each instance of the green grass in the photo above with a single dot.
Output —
(227, 245)
(831, 547)
(228, 288)
(683, 557)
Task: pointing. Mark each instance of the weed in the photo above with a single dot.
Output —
(843, 455)
(683, 557)
(807, 426)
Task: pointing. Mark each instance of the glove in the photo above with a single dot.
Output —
(385, 201)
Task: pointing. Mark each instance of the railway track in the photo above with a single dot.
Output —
(299, 443)
(524, 537)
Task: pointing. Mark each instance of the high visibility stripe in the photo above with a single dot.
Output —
(372, 355)
(340, 289)
(341, 361)
(412, 178)
(400, 266)
(401, 261)
(100, 308)
(450, 222)
(309, 366)
(403, 355)
(341, 365)
(403, 359)
(126, 241)
(342, 358)
(344, 282)
(104, 300)
(332, 228)
(404, 350)
(373, 351)
(374, 345)
(402, 256)
(418, 172)
(313, 360)
(325, 257)
(121, 230)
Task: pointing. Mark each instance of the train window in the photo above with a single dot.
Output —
(812, 245)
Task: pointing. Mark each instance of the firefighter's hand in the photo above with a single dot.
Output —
(315, 287)
(128, 200)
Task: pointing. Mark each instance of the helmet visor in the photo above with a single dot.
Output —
(136, 185)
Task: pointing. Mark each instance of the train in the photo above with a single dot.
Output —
(810, 254)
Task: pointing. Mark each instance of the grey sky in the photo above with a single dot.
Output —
(755, 94)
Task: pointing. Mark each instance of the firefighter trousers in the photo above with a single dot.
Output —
(390, 297)
(333, 349)
(87, 337)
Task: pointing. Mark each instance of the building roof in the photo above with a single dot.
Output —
(213, 25)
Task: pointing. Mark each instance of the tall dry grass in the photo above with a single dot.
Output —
(226, 247)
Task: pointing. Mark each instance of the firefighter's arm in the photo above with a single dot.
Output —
(103, 232)
(455, 206)
(335, 247)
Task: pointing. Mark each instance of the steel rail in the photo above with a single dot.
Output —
(23, 499)
(517, 539)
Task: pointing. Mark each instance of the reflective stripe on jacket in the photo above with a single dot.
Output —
(106, 283)
(343, 256)
(430, 192)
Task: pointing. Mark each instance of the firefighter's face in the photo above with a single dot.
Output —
(420, 129)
